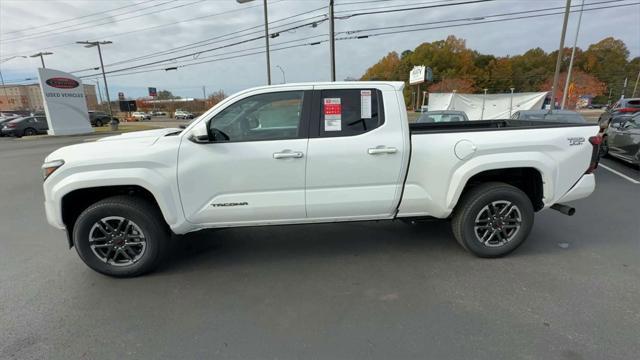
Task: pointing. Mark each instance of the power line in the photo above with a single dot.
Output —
(129, 32)
(47, 34)
(219, 39)
(412, 8)
(474, 17)
(467, 24)
(204, 51)
(79, 17)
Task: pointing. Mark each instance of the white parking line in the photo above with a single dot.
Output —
(620, 174)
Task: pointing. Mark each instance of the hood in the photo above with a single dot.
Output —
(111, 148)
(146, 136)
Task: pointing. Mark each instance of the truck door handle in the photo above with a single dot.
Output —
(382, 150)
(288, 154)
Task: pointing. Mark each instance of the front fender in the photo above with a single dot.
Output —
(161, 187)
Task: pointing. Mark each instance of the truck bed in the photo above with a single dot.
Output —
(486, 125)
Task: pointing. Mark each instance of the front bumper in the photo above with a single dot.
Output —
(8, 132)
(583, 188)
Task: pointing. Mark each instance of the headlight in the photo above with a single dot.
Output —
(50, 166)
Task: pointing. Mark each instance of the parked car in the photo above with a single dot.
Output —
(562, 116)
(336, 154)
(25, 126)
(622, 139)
(158, 113)
(605, 123)
(181, 114)
(140, 116)
(442, 116)
(5, 118)
(621, 107)
(99, 118)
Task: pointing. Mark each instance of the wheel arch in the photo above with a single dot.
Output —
(528, 179)
(76, 201)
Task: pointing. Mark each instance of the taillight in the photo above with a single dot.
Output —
(595, 153)
(628, 110)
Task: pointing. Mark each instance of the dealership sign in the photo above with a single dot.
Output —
(64, 103)
(419, 74)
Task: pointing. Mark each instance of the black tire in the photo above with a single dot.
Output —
(480, 201)
(98, 123)
(29, 132)
(136, 210)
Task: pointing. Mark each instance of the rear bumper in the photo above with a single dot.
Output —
(583, 188)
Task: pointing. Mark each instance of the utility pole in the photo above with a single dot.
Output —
(204, 97)
(41, 55)
(556, 75)
(90, 44)
(635, 87)
(511, 103)
(332, 42)
(624, 87)
(573, 54)
(484, 99)
(266, 35)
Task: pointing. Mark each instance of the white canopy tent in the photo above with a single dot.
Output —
(496, 106)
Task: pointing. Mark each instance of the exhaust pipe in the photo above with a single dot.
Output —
(565, 209)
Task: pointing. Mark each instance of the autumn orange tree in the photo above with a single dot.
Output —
(606, 61)
(582, 84)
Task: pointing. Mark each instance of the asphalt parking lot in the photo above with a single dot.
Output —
(374, 290)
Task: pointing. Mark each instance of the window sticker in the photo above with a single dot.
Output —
(332, 114)
(365, 104)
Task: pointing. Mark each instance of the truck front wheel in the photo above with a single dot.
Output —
(492, 219)
(121, 236)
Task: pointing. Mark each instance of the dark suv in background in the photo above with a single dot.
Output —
(621, 107)
(99, 118)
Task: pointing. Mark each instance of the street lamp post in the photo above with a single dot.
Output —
(284, 78)
(90, 44)
(573, 54)
(41, 55)
(556, 75)
(484, 99)
(266, 36)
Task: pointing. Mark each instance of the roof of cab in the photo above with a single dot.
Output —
(397, 85)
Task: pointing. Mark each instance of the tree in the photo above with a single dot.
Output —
(166, 95)
(582, 84)
(385, 69)
(607, 60)
(216, 97)
(449, 85)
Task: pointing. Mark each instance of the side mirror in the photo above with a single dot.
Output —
(200, 133)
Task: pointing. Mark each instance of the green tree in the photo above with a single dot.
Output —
(166, 95)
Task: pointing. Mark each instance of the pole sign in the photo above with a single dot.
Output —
(64, 103)
(128, 105)
(429, 74)
(121, 96)
(152, 92)
(416, 75)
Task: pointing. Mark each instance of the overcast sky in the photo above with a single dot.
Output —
(142, 27)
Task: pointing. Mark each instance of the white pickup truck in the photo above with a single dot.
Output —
(313, 153)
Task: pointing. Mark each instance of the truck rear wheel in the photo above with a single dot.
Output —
(121, 236)
(493, 219)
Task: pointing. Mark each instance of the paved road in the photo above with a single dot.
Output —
(371, 290)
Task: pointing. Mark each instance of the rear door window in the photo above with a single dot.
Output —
(350, 112)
